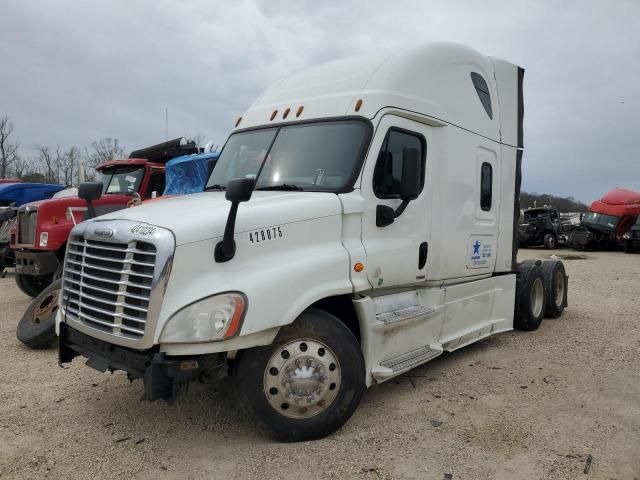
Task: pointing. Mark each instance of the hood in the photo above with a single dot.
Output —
(202, 216)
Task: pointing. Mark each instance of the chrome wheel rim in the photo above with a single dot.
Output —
(559, 289)
(302, 378)
(537, 297)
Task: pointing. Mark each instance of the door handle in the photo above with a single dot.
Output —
(423, 252)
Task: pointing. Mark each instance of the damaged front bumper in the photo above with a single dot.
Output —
(165, 377)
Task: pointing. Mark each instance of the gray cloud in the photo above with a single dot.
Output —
(75, 71)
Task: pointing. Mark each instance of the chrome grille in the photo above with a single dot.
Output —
(27, 220)
(107, 285)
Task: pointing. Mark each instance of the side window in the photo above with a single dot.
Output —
(486, 186)
(387, 175)
(482, 89)
(156, 183)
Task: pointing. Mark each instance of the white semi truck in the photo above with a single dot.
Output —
(361, 221)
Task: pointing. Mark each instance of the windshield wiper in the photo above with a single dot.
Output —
(215, 187)
(283, 186)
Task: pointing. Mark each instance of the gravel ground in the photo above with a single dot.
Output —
(514, 406)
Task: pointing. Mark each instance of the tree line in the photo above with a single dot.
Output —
(563, 204)
(52, 164)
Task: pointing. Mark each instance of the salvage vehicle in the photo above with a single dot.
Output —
(542, 226)
(43, 227)
(632, 238)
(362, 219)
(606, 222)
(183, 175)
(14, 193)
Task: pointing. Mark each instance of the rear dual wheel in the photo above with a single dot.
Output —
(556, 284)
(541, 291)
(308, 382)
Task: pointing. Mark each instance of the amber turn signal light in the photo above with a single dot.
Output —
(358, 267)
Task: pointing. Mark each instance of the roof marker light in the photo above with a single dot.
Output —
(300, 108)
(286, 112)
(273, 115)
(238, 121)
(358, 104)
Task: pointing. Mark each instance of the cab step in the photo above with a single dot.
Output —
(404, 314)
(404, 362)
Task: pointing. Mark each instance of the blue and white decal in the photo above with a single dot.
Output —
(481, 251)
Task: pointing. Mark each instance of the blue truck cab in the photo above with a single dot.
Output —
(17, 194)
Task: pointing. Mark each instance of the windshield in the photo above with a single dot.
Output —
(123, 180)
(321, 156)
(593, 218)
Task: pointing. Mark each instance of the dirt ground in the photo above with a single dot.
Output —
(515, 406)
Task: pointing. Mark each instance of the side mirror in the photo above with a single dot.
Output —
(237, 191)
(411, 174)
(409, 187)
(90, 191)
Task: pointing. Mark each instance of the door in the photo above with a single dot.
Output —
(397, 253)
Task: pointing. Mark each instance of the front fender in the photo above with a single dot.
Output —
(281, 277)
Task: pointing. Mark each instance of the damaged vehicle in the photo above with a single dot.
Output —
(542, 226)
(608, 219)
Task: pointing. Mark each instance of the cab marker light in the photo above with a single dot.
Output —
(299, 112)
(286, 112)
(238, 121)
(358, 104)
(273, 115)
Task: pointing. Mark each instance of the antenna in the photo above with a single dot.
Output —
(166, 122)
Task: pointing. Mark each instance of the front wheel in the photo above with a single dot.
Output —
(628, 246)
(32, 285)
(308, 382)
(550, 241)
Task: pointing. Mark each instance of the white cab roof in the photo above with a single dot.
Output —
(431, 79)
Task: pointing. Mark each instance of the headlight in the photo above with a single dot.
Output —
(209, 320)
(626, 236)
(44, 238)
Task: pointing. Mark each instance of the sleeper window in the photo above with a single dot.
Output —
(387, 175)
(482, 89)
(486, 186)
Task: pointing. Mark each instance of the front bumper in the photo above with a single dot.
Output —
(36, 263)
(165, 378)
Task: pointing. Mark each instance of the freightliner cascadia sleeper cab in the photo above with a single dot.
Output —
(361, 220)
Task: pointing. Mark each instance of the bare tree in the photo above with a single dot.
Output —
(8, 150)
(69, 165)
(103, 150)
(20, 166)
(46, 159)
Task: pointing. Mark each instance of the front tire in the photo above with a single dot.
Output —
(550, 241)
(308, 382)
(32, 285)
(628, 247)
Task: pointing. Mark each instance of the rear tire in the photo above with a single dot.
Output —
(531, 297)
(550, 241)
(556, 284)
(32, 285)
(308, 382)
(37, 327)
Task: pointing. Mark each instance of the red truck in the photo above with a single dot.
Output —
(608, 219)
(42, 229)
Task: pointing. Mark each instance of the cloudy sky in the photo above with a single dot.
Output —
(72, 72)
